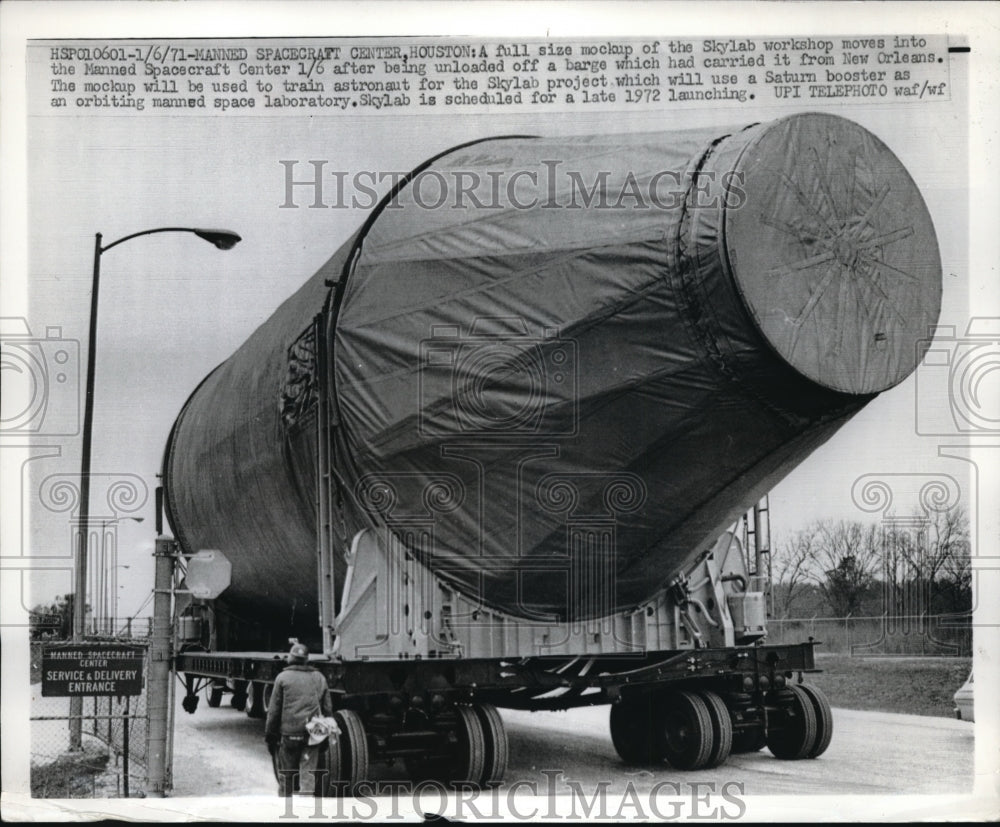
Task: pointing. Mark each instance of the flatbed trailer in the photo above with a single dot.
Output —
(436, 710)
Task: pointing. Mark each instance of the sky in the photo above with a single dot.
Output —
(173, 307)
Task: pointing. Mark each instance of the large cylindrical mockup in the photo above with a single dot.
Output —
(561, 367)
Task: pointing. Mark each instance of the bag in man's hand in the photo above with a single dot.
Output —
(321, 728)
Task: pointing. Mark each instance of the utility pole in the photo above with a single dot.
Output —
(83, 540)
(160, 657)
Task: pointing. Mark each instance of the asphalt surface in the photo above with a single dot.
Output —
(221, 752)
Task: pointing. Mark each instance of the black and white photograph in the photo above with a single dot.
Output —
(500, 412)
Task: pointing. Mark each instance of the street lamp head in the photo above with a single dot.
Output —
(223, 239)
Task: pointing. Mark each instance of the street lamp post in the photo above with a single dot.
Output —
(223, 240)
(106, 576)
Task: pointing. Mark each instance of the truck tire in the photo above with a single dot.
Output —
(471, 764)
(633, 727)
(497, 746)
(722, 728)
(686, 731)
(215, 696)
(466, 764)
(824, 719)
(347, 755)
(239, 699)
(795, 733)
(332, 761)
(255, 700)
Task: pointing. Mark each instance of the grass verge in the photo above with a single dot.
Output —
(917, 686)
(71, 775)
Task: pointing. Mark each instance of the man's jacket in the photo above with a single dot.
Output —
(300, 692)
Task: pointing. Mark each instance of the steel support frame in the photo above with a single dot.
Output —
(359, 684)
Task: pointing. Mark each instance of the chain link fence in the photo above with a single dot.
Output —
(114, 629)
(112, 759)
(887, 635)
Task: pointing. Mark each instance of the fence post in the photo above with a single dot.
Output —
(158, 698)
(125, 738)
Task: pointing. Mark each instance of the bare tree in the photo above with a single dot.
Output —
(790, 567)
(954, 587)
(846, 559)
(898, 540)
(920, 555)
(950, 563)
(922, 562)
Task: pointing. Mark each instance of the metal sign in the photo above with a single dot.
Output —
(208, 574)
(89, 669)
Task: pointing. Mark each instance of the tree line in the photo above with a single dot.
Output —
(902, 566)
(53, 621)
(909, 565)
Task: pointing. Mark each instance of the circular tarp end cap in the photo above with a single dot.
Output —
(834, 253)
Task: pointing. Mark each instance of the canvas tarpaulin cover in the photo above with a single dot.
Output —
(562, 367)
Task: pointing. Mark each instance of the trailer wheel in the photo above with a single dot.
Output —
(633, 726)
(795, 734)
(239, 699)
(331, 762)
(824, 719)
(470, 764)
(722, 728)
(686, 731)
(254, 703)
(466, 762)
(347, 755)
(497, 746)
(215, 696)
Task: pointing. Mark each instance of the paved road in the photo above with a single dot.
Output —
(221, 752)
(871, 752)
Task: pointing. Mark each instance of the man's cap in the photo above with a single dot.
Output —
(298, 652)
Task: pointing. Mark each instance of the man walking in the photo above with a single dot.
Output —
(300, 693)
